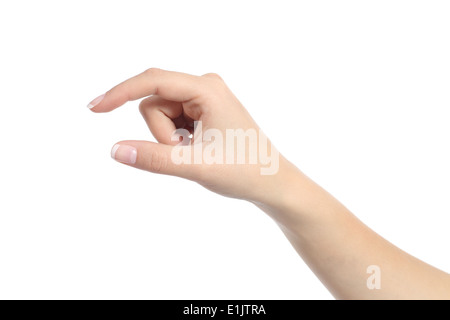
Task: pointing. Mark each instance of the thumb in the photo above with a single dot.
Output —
(153, 157)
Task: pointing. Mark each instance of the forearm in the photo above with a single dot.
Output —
(339, 248)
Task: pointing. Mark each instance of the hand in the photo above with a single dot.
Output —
(178, 101)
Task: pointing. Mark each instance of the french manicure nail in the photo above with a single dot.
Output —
(96, 101)
(123, 153)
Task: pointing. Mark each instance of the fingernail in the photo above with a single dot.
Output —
(96, 101)
(125, 154)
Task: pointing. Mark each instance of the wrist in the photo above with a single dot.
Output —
(281, 194)
(295, 201)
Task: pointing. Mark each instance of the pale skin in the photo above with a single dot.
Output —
(331, 240)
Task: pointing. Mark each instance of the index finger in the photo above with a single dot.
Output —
(170, 85)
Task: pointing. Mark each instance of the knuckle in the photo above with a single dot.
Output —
(142, 107)
(151, 72)
(157, 162)
(213, 75)
(147, 105)
(215, 84)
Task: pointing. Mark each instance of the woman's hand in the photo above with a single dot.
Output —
(227, 154)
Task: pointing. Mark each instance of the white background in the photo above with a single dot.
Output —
(356, 93)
